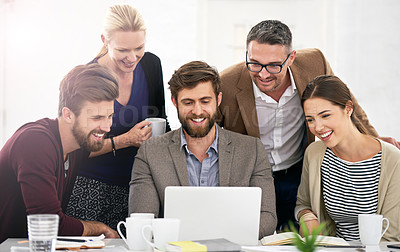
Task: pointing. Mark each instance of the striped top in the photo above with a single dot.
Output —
(349, 189)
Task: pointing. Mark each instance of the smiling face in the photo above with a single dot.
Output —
(92, 124)
(270, 54)
(125, 49)
(197, 109)
(330, 123)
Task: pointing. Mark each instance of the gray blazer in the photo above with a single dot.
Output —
(160, 162)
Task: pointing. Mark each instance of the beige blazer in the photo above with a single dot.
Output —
(238, 109)
(160, 162)
(309, 195)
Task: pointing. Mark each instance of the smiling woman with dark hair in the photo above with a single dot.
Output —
(348, 172)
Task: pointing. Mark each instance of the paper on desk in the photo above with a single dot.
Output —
(110, 249)
(91, 242)
(19, 249)
(79, 245)
(268, 248)
(105, 249)
(87, 238)
(289, 248)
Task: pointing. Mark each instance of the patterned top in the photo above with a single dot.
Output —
(349, 189)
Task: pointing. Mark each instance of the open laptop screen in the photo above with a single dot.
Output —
(215, 212)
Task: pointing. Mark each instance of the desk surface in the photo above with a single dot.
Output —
(111, 246)
(115, 245)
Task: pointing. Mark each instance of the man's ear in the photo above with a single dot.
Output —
(103, 39)
(173, 101)
(68, 115)
(292, 57)
(219, 98)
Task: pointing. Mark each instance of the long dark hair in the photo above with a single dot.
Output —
(331, 88)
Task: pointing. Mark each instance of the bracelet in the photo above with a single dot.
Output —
(112, 145)
(307, 217)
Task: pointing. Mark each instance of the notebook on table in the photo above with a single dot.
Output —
(232, 213)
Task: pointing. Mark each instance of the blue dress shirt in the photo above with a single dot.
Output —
(204, 173)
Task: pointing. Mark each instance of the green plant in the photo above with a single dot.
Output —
(310, 241)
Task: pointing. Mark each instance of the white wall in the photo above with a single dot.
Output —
(230, 21)
(41, 40)
(363, 46)
(44, 39)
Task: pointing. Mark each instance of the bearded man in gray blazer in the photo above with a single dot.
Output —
(200, 153)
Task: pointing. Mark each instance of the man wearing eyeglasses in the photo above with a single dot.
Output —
(262, 99)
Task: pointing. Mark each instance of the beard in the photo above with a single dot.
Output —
(84, 140)
(197, 132)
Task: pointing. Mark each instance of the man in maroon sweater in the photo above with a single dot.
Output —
(38, 164)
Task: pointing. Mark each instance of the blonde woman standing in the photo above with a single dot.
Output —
(102, 187)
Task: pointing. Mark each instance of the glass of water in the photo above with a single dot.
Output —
(42, 232)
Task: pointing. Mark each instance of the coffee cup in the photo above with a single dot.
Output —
(143, 215)
(164, 230)
(134, 224)
(157, 126)
(370, 228)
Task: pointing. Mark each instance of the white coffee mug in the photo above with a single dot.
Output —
(164, 230)
(143, 215)
(157, 126)
(134, 238)
(370, 228)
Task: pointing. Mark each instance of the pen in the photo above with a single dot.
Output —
(395, 246)
(71, 240)
(343, 246)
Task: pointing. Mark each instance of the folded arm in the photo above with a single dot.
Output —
(39, 172)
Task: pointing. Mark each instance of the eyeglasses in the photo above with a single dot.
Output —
(271, 68)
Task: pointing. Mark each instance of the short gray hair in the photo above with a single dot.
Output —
(272, 32)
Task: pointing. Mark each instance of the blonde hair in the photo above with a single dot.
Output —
(120, 18)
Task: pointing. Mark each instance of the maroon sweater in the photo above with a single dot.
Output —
(32, 179)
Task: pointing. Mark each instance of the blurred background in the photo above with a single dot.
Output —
(42, 40)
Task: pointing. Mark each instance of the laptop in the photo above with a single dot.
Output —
(232, 213)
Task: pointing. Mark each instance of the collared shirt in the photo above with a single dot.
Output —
(66, 166)
(204, 173)
(282, 126)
